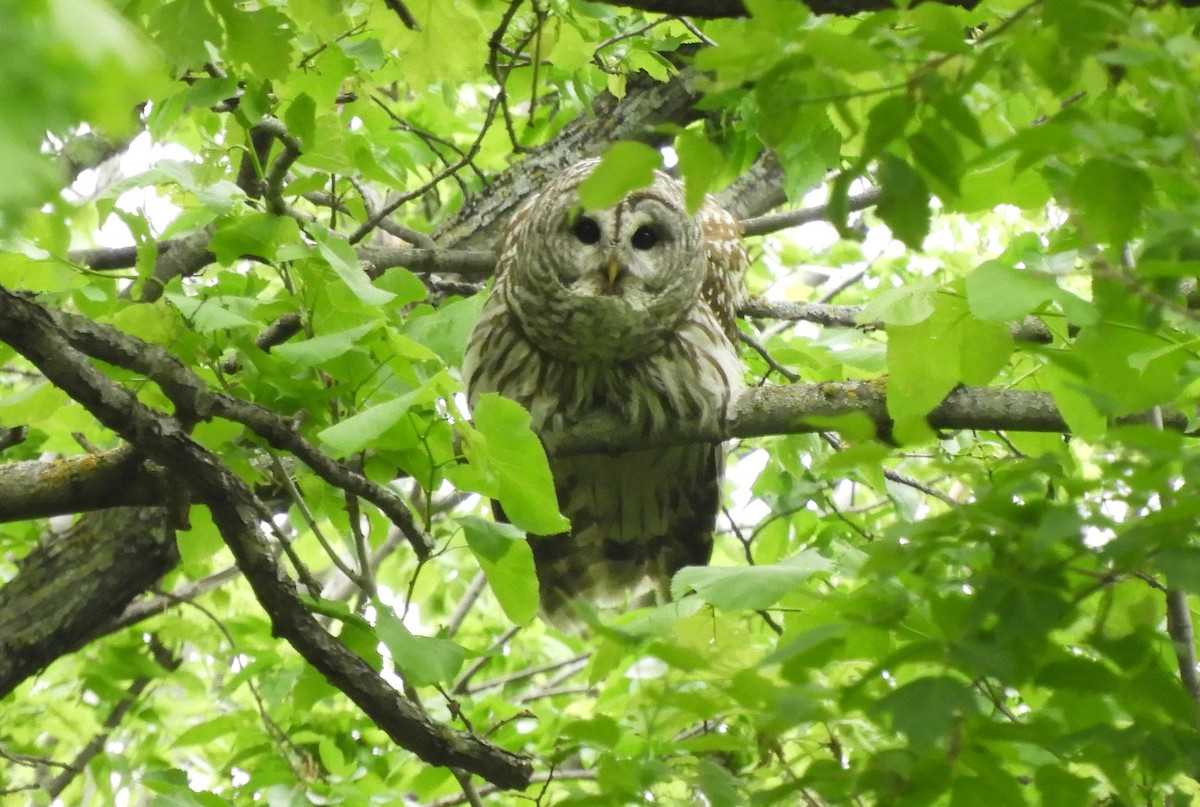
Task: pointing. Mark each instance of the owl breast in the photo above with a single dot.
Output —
(611, 312)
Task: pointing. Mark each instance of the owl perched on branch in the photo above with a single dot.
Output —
(629, 311)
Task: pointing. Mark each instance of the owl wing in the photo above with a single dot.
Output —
(724, 282)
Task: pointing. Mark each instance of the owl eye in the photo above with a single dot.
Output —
(586, 230)
(644, 237)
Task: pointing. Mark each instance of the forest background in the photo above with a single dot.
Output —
(246, 555)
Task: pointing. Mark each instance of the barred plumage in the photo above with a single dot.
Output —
(631, 311)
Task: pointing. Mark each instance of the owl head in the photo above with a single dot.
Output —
(602, 285)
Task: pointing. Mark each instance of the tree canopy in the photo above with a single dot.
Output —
(245, 549)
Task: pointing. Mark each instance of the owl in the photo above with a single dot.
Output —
(627, 311)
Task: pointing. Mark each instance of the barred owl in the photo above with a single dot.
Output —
(629, 311)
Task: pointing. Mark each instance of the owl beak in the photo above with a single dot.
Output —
(613, 270)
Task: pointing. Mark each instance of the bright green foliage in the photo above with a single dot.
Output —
(934, 618)
(507, 462)
(624, 167)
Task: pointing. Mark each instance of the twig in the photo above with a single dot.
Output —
(1183, 640)
(293, 492)
(773, 222)
(460, 686)
(59, 783)
(575, 663)
(570, 775)
(466, 604)
(144, 609)
(767, 357)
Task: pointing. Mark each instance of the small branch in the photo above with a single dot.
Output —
(571, 666)
(827, 315)
(538, 778)
(59, 783)
(474, 589)
(758, 348)
(773, 222)
(406, 17)
(1183, 640)
(460, 686)
(146, 608)
(277, 175)
(720, 9)
(14, 436)
(469, 263)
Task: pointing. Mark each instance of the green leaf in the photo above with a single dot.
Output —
(206, 315)
(506, 449)
(445, 329)
(422, 660)
(926, 709)
(1000, 293)
(624, 167)
(930, 358)
(324, 347)
(569, 51)
(941, 28)
(368, 428)
(748, 588)
(257, 234)
(886, 123)
(209, 730)
(700, 165)
(333, 759)
(720, 787)
(449, 46)
(1107, 198)
(258, 38)
(601, 730)
(301, 119)
(849, 53)
(901, 305)
(201, 541)
(507, 561)
(407, 287)
(903, 201)
(340, 256)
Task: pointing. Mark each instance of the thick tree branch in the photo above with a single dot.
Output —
(42, 488)
(32, 331)
(807, 408)
(45, 613)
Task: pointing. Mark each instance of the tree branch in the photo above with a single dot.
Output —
(719, 9)
(646, 105)
(42, 488)
(194, 402)
(807, 408)
(45, 613)
(32, 331)
(1031, 329)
